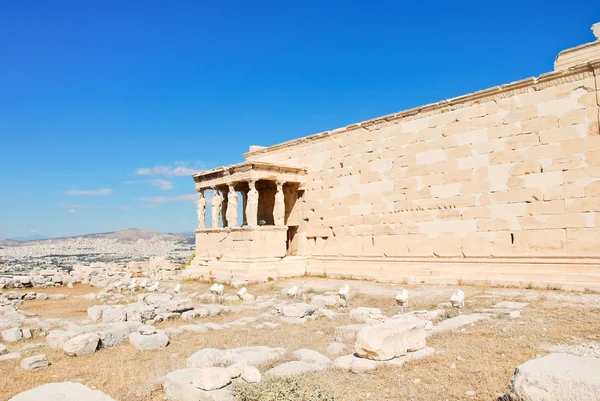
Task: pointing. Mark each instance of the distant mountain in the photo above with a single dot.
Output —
(33, 237)
(127, 236)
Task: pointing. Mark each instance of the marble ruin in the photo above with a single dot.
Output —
(500, 186)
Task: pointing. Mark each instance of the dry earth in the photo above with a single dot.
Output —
(480, 358)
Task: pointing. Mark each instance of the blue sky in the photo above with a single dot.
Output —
(107, 106)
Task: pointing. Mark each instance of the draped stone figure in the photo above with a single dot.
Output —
(201, 208)
(279, 207)
(252, 205)
(232, 207)
(216, 208)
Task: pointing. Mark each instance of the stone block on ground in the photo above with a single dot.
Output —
(178, 387)
(347, 333)
(362, 314)
(557, 377)
(83, 344)
(457, 322)
(35, 362)
(391, 339)
(212, 378)
(12, 335)
(149, 342)
(310, 356)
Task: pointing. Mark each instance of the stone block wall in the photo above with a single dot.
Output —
(508, 172)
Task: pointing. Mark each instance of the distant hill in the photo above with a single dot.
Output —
(126, 236)
(33, 237)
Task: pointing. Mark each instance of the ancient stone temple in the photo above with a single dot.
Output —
(498, 186)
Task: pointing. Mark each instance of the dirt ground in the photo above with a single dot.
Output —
(481, 358)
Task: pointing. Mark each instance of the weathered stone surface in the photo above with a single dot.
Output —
(295, 368)
(557, 377)
(35, 362)
(336, 348)
(299, 310)
(390, 340)
(113, 336)
(150, 342)
(347, 333)
(363, 314)
(95, 312)
(195, 328)
(57, 338)
(457, 322)
(310, 356)
(66, 391)
(254, 356)
(251, 375)
(354, 364)
(212, 378)
(83, 344)
(178, 387)
(12, 335)
(3, 349)
(113, 315)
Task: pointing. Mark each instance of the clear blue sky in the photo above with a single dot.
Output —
(105, 106)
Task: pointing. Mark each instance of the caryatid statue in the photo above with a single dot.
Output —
(279, 207)
(232, 213)
(215, 206)
(252, 205)
(201, 208)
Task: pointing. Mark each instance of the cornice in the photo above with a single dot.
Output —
(526, 85)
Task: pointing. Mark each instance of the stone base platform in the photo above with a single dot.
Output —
(564, 273)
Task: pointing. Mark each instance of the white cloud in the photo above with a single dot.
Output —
(91, 192)
(179, 169)
(72, 211)
(33, 231)
(165, 185)
(167, 199)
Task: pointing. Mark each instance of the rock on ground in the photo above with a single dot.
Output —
(66, 391)
(82, 344)
(557, 377)
(363, 314)
(35, 362)
(150, 342)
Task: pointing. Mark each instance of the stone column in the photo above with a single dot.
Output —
(252, 204)
(232, 207)
(216, 206)
(279, 207)
(201, 208)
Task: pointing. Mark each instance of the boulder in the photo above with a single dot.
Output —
(327, 301)
(35, 362)
(212, 378)
(3, 349)
(83, 344)
(150, 342)
(557, 377)
(390, 340)
(335, 348)
(95, 312)
(66, 391)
